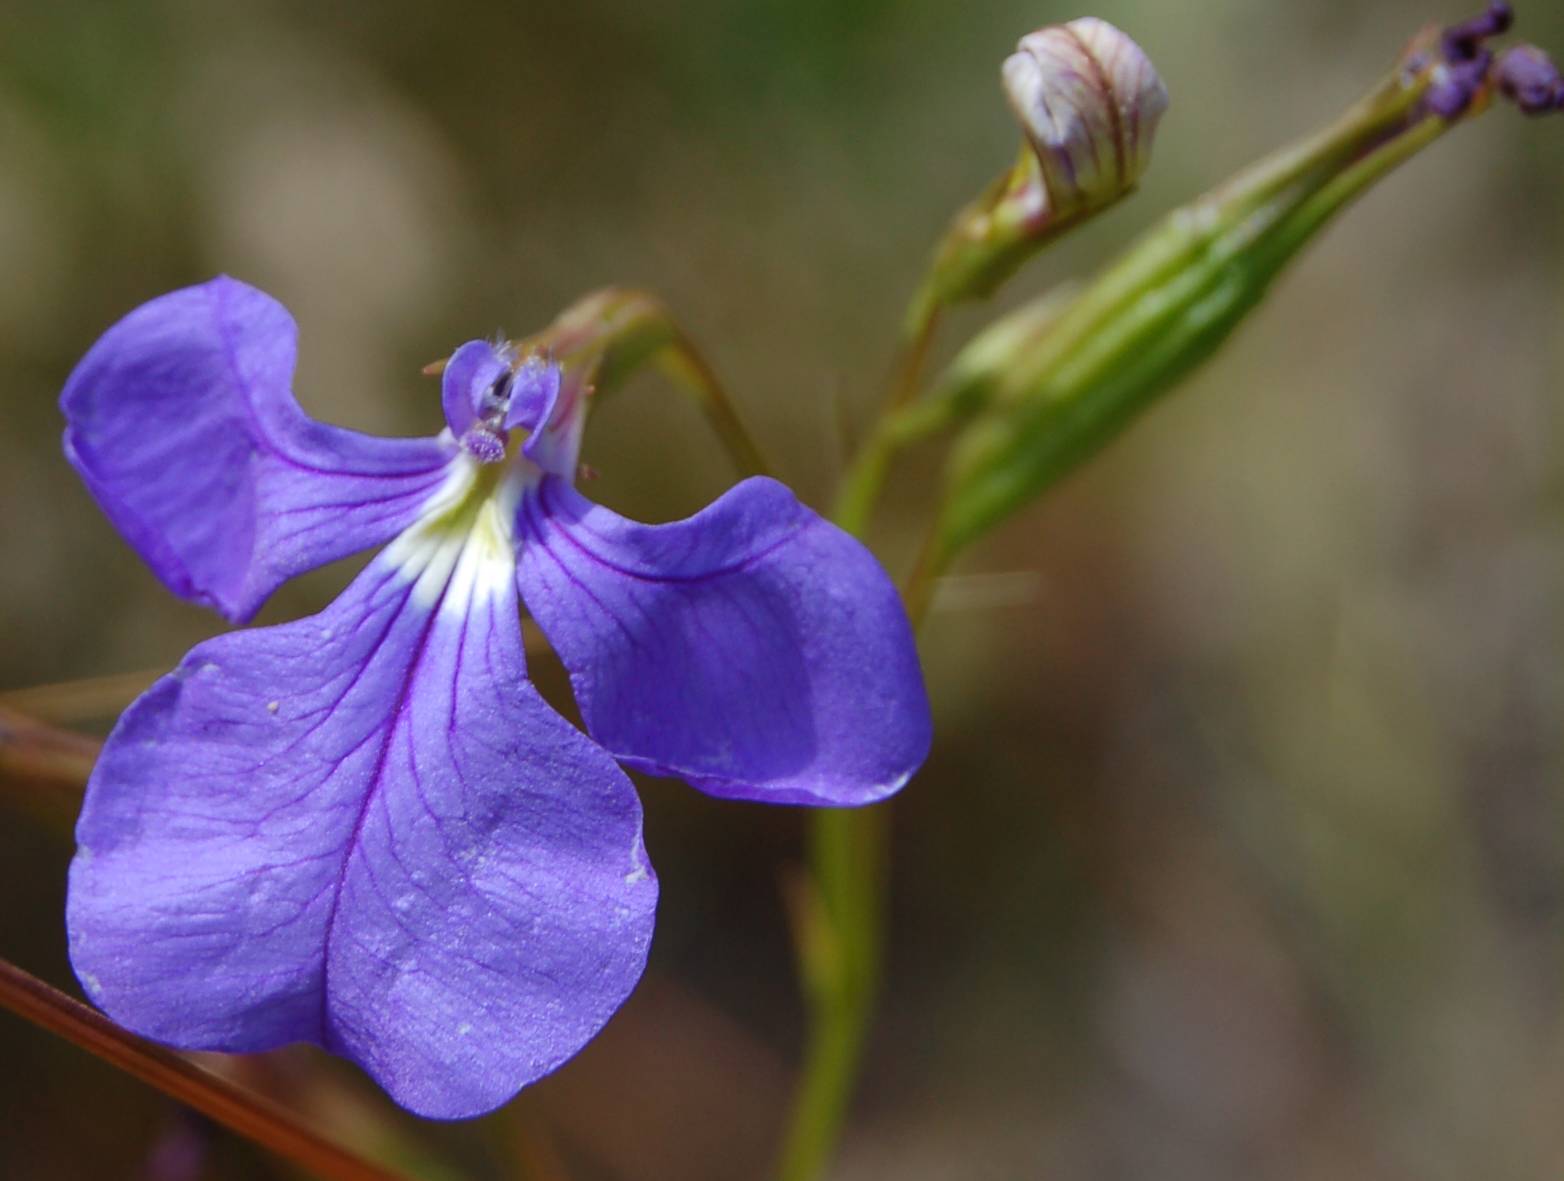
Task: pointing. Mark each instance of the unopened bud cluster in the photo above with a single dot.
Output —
(1467, 69)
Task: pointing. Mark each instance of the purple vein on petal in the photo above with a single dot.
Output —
(459, 899)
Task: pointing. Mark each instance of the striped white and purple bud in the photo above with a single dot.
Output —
(1088, 100)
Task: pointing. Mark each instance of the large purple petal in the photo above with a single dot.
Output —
(181, 421)
(753, 650)
(365, 829)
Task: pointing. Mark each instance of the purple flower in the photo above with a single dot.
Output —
(366, 829)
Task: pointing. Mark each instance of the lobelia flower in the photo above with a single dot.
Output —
(366, 829)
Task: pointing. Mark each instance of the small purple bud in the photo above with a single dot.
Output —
(1528, 78)
(1455, 85)
(1461, 42)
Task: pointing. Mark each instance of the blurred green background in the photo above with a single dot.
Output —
(1240, 854)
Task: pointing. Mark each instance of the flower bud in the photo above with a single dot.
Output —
(1527, 77)
(1089, 100)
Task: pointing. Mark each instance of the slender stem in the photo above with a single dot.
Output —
(917, 337)
(841, 919)
(864, 478)
(42, 769)
(682, 362)
(842, 954)
(1302, 223)
(866, 472)
(618, 330)
(932, 561)
(36, 753)
(252, 1116)
(79, 700)
(840, 949)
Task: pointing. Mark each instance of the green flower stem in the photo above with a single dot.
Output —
(871, 463)
(918, 330)
(616, 331)
(1047, 388)
(841, 911)
(840, 955)
(933, 560)
(840, 919)
(683, 364)
(865, 477)
(840, 937)
(1306, 220)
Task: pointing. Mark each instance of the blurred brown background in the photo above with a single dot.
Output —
(1240, 854)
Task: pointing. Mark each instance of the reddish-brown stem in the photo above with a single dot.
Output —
(43, 769)
(41, 754)
(252, 1116)
(82, 699)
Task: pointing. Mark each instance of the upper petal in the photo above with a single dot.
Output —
(181, 421)
(753, 650)
(470, 386)
(552, 407)
(534, 398)
(366, 830)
